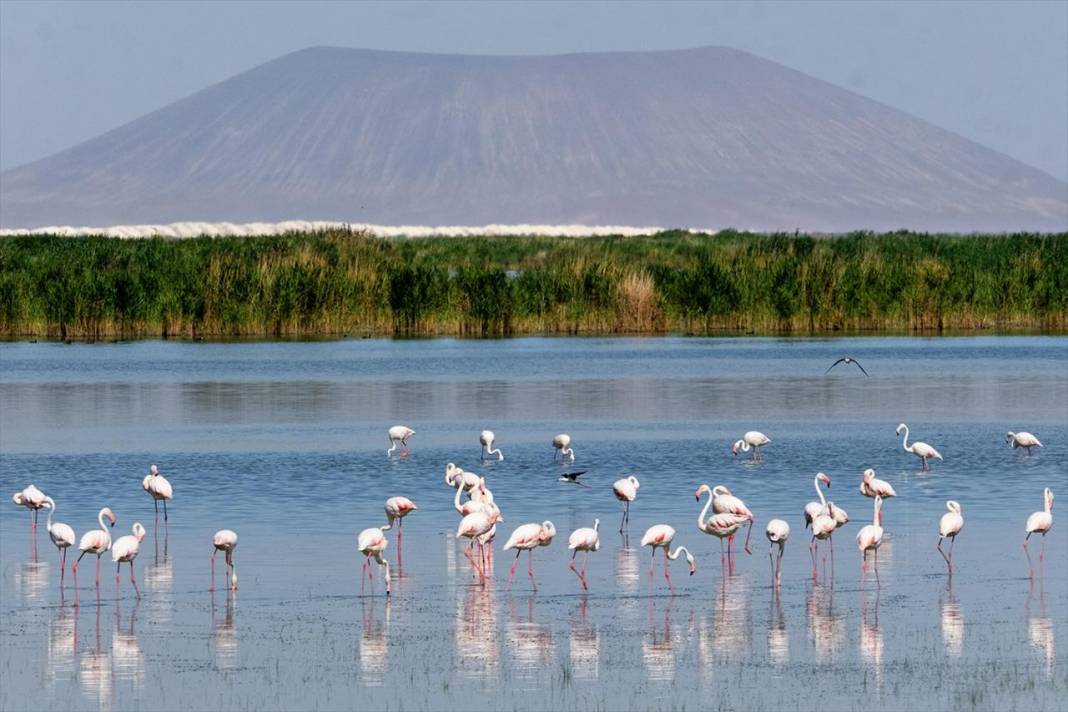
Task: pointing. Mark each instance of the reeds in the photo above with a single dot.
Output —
(341, 282)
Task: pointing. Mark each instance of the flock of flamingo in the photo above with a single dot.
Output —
(480, 515)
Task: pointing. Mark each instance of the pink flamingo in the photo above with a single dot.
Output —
(528, 537)
(921, 450)
(660, 536)
(870, 537)
(812, 509)
(124, 550)
(95, 541)
(399, 434)
(32, 499)
(1022, 439)
(823, 527)
(584, 540)
(457, 477)
(562, 445)
(778, 531)
(225, 540)
(157, 487)
(753, 440)
(371, 543)
(950, 525)
(473, 526)
(1040, 523)
(397, 508)
(486, 438)
(724, 502)
(62, 535)
(873, 487)
(626, 491)
(722, 526)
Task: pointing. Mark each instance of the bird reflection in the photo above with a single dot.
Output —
(952, 623)
(627, 577)
(1040, 628)
(225, 639)
(658, 651)
(584, 645)
(95, 671)
(778, 638)
(62, 643)
(374, 639)
(733, 620)
(127, 658)
(530, 643)
(826, 628)
(476, 632)
(871, 638)
(31, 580)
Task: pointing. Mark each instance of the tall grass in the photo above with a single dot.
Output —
(341, 282)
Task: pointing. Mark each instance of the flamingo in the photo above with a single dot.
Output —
(950, 525)
(95, 541)
(456, 477)
(224, 540)
(812, 509)
(823, 526)
(753, 440)
(1022, 439)
(397, 508)
(62, 536)
(724, 502)
(661, 536)
(778, 531)
(371, 543)
(1040, 523)
(473, 526)
(871, 536)
(721, 526)
(528, 537)
(479, 499)
(920, 450)
(32, 499)
(584, 540)
(562, 443)
(399, 433)
(626, 490)
(158, 488)
(124, 550)
(486, 437)
(871, 486)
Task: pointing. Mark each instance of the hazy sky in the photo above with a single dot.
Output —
(994, 72)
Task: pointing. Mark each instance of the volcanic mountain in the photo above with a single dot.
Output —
(709, 137)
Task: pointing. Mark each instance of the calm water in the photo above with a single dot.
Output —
(285, 443)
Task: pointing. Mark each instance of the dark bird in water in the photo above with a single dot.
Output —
(846, 359)
(572, 477)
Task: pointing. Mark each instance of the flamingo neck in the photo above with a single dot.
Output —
(675, 554)
(875, 513)
(456, 500)
(596, 523)
(819, 492)
(905, 440)
(51, 511)
(701, 521)
(104, 527)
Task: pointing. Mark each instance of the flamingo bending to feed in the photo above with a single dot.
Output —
(1022, 439)
(562, 443)
(32, 499)
(950, 525)
(371, 543)
(753, 440)
(823, 526)
(225, 540)
(778, 531)
(124, 550)
(486, 437)
(1040, 523)
(399, 434)
(872, 487)
(479, 499)
(871, 536)
(626, 490)
(919, 449)
(528, 537)
(158, 488)
(723, 525)
(724, 502)
(397, 508)
(660, 536)
(584, 540)
(473, 526)
(62, 535)
(458, 477)
(95, 541)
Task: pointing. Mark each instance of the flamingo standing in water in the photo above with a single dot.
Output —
(562, 443)
(528, 537)
(723, 525)
(95, 541)
(626, 490)
(371, 543)
(950, 525)
(458, 477)
(225, 540)
(919, 449)
(778, 531)
(823, 526)
(870, 537)
(660, 536)
(32, 499)
(753, 440)
(473, 526)
(62, 535)
(724, 502)
(872, 487)
(399, 434)
(158, 488)
(397, 508)
(1022, 439)
(1040, 523)
(486, 437)
(584, 540)
(813, 509)
(124, 550)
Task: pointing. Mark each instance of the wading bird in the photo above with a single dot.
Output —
(626, 490)
(398, 508)
(846, 360)
(812, 509)
(32, 499)
(753, 440)
(62, 535)
(1022, 439)
(456, 477)
(158, 488)
(572, 478)
(1040, 523)
(225, 540)
(528, 537)
(371, 543)
(95, 541)
(124, 551)
(823, 526)
(724, 502)
(660, 536)
(872, 487)
(778, 531)
(584, 540)
(722, 525)
(950, 525)
(473, 526)
(870, 537)
(919, 449)
(486, 437)
(562, 445)
(399, 434)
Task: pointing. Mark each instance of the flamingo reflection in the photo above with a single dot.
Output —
(825, 627)
(225, 637)
(778, 637)
(128, 660)
(952, 623)
(1040, 629)
(62, 643)
(658, 650)
(584, 645)
(530, 644)
(374, 643)
(94, 667)
(476, 632)
(871, 638)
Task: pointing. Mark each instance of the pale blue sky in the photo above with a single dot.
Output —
(994, 72)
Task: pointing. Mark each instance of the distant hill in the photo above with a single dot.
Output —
(709, 137)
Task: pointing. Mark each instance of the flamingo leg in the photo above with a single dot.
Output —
(213, 569)
(952, 541)
(585, 560)
(117, 567)
(771, 560)
(155, 503)
(164, 511)
(778, 565)
(530, 568)
(748, 534)
(1042, 550)
(812, 551)
(1030, 565)
(511, 574)
(62, 566)
(571, 565)
(98, 573)
(133, 580)
(875, 565)
(949, 565)
(667, 574)
(652, 562)
(830, 540)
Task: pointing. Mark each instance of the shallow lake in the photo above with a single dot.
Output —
(286, 444)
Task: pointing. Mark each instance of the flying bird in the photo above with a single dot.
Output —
(846, 360)
(572, 477)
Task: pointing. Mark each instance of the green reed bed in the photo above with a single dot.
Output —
(343, 282)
